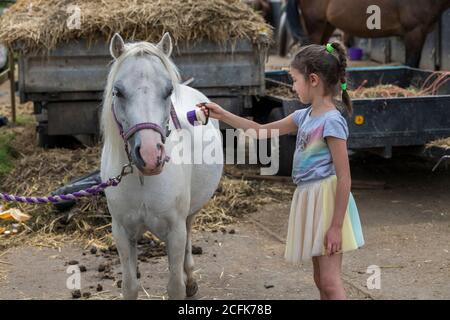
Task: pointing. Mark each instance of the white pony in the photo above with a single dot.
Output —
(142, 85)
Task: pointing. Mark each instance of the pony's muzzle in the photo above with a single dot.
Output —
(161, 158)
(149, 152)
(140, 163)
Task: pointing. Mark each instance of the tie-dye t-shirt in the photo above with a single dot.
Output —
(312, 157)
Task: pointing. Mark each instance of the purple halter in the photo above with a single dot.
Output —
(144, 125)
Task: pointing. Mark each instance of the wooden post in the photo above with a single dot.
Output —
(12, 85)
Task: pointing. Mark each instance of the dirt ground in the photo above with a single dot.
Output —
(406, 227)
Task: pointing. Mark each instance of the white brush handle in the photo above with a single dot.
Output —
(200, 116)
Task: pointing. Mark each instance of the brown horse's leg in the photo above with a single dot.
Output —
(327, 33)
(414, 41)
(316, 33)
(349, 40)
(321, 31)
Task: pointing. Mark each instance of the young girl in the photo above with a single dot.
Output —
(324, 220)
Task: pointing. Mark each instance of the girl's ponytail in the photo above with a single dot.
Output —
(342, 58)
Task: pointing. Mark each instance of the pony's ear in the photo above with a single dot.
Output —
(165, 45)
(117, 46)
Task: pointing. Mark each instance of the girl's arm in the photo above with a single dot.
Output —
(284, 126)
(338, 149)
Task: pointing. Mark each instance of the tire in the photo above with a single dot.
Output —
(286, 146)
(47, 141)
(65, 206)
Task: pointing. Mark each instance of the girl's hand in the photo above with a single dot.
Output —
(215, 111)
(333, 240)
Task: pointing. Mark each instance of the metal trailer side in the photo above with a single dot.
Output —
(66, 84)
(389, 123)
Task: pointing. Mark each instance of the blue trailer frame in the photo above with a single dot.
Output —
(388, 123)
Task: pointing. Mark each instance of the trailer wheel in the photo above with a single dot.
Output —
(65, 206)
(286, 145)
(47, 141)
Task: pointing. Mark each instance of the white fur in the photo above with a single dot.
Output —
(167, 202)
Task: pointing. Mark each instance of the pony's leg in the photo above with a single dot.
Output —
(191, 284)
(128, 259)
(176, 245)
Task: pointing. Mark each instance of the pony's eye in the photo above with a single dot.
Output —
(118, 93)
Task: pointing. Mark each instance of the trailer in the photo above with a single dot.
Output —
(379, 125)
(66, 87)
(66, 84)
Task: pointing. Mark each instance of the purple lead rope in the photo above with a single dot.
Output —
(71, 196)
(63, 197)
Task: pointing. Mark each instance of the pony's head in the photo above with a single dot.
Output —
(139, 88)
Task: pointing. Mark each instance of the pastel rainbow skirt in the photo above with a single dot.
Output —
(310, 217)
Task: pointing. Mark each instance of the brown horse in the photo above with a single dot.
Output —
(411, 19)
(262, 6)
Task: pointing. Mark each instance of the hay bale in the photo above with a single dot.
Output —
(440, 143)
(380, 91)
(282, 92)
(31, 25)
(384, 91)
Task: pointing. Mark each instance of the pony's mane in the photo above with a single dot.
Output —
(112, 140)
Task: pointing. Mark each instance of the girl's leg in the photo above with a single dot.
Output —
(317, 277)
(330, 277)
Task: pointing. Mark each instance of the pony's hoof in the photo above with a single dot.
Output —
(191, 289)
